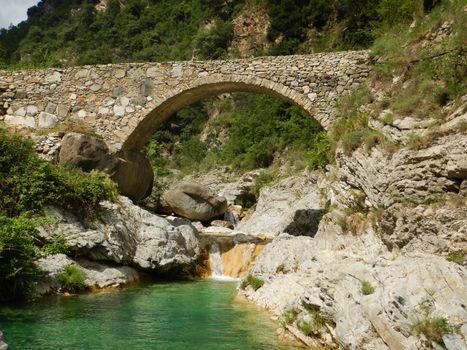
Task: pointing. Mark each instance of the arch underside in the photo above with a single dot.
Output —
(179, 99)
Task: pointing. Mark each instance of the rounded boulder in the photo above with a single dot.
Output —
(194, 201)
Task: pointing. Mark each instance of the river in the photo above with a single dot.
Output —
(165, 316)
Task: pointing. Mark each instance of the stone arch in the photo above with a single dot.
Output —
(184, 94)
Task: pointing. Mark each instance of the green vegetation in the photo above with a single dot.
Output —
(73, 32)
(434, 328)
(256, 129)
(27, 184)
(62, 33)
(290, 315)
(72, 279)
(254, 282)
(57, 245)
(306, 328)
(18, 273)
(458, 257)
(367, 288)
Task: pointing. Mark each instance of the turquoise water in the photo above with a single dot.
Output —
(176, 315)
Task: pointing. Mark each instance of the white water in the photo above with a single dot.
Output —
(215, 262)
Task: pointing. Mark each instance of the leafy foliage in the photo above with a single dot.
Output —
(27, 184)
(57, 245)
(433, 328)
(257, 130)
(72, 279)
(18, 273)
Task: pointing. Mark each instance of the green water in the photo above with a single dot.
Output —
(176, 315)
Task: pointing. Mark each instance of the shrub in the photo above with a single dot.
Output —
(57, 245)
(367, 288)
(387, 119)
(18, 273)
(72, 279)
(353, 140)
(27, 183)
(254, 282)
(433, 328)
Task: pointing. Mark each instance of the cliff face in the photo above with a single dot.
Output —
(374, 277)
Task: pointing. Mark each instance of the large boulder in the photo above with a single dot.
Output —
(86, 152)
(127, 234)
(293, 205)
(194, 201)
(133, 174)
(131, 170)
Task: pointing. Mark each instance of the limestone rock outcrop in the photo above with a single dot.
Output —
(98, 275)
(129, 235)
(407, 174)
(304, 274)
(194, 201)
(293, 205)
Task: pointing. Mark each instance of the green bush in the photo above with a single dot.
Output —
(254, 282)
(18, 273)
(257, 129)
(27, 183)
(367, 288)
(306, 328)
(57, 245)
(72, 279)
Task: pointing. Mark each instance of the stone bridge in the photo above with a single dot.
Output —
(125, 103)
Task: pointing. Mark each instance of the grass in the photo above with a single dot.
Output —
(367, 288)
(254, 282)
(290, 315)
(433, 328)
(306, 328)
(458, 257)
(72, 279)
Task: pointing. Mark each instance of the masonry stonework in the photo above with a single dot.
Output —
(125, 103)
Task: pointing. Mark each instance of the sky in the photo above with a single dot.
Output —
(14, 11)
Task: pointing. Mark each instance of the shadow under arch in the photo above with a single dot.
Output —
(216, 84)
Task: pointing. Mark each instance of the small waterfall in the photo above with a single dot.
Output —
(215, 262)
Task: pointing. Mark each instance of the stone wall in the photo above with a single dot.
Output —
(125, 103)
